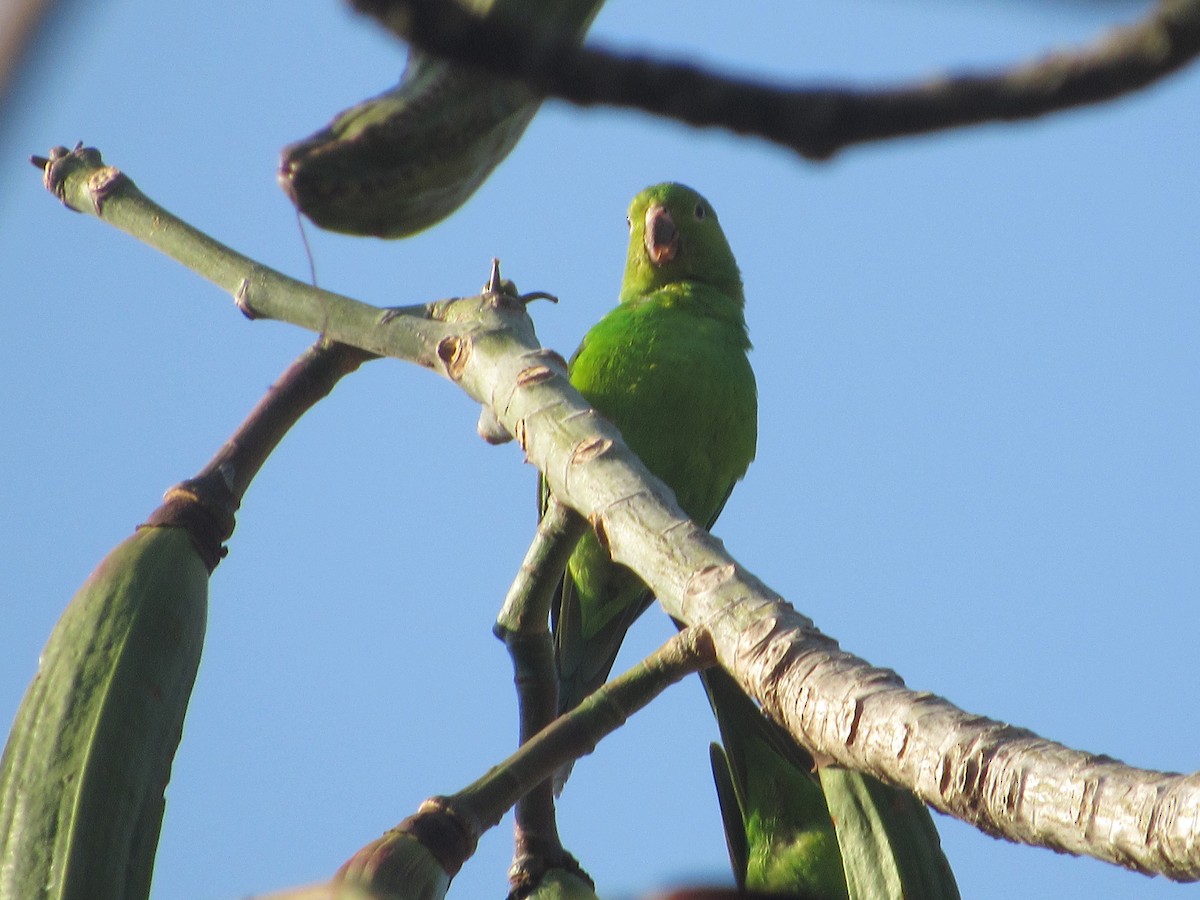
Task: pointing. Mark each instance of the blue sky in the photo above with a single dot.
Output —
(979, 421)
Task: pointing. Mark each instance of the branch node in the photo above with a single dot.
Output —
(552, 358)
(490, 428)
(601, 530)
(534, 375)
(709, 579)
(590, 449)
(103, 183)
(61, 163)
(241, 299)
(454, 352)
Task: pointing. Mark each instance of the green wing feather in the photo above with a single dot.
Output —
(816, 831)
(778, 828)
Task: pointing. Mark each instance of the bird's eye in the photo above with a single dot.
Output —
(701, 211)
(629, 223)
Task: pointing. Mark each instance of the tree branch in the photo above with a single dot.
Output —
(1004, 780)
(84, 184)
(816, 122)
(523, 626)
(419, 857)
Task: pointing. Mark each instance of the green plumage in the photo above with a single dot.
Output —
(668, 367)
(817, 831)
(780, 834)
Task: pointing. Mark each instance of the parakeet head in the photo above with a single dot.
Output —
(674, 236)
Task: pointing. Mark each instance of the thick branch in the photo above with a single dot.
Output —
(1004, 780)
(816, 122)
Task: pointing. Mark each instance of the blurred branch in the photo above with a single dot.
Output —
(1004, 780)
(19, 23)
(816, 122)
(402, 161)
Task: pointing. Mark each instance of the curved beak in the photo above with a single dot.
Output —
(662, 238)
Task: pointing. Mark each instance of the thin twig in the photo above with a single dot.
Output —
(577, 733)
(419, 856)
(523, 626)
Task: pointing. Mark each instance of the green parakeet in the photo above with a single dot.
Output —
(668, 367)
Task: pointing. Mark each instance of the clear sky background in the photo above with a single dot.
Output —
(979, 423)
